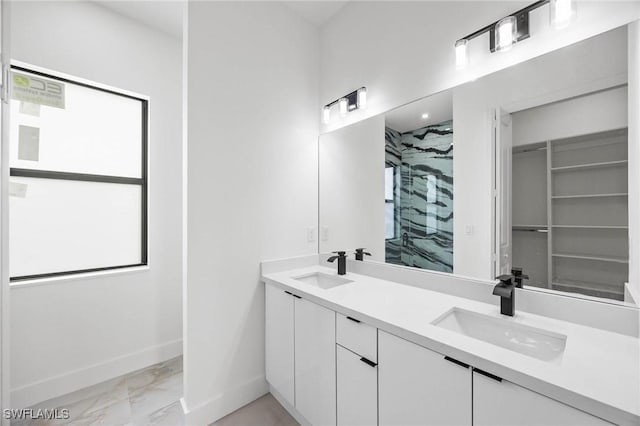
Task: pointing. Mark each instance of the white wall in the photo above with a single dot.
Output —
(549, 78)
(402, 51)
(251, 174)
(352, 188)
(597, 112)
(634, 157)
(75, 332)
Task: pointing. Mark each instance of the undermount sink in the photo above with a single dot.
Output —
(534, 342)
(322, 280)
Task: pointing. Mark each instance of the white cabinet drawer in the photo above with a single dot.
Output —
(357, 337)
(357, 390)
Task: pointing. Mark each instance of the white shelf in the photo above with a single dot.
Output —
(566, 197)
(529, 227)
(591, 257)
(588, 288)
(591, 226)
(589, 166)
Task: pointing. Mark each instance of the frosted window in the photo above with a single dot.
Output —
(78, 183)
(388, 183)
(98, 132)
(389, 221)
(63, 225)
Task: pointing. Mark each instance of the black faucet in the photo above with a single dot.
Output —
(518, 276)
(506, 290)
(342, 261)
(360, 253)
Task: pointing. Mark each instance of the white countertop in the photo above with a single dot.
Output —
(599, 371)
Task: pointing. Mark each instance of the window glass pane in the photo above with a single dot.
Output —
(389, 223)
(388, 183)
(60, 225)
(96, 133)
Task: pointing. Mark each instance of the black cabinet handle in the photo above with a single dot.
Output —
(288, 292)
(368, 362)
(455, 361)
(489, 375)
(353, 319)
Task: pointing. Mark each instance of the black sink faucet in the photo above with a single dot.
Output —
(518, 276)
(360, 253)
(506, 290)
(342, 261)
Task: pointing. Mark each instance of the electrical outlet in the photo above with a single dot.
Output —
(311, 235)
(325, 233)
(468, 229)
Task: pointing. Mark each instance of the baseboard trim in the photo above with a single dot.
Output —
(52, 387)
(226, 403)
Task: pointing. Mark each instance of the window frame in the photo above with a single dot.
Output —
(142, 181)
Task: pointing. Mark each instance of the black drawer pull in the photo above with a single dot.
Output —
(296, 296)
(489, 375)
(288, 292)
(353, 319)
(368, 362)
(455, 361)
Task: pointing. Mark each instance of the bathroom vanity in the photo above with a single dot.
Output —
(360, 349)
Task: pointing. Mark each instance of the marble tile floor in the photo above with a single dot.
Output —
(150, 396)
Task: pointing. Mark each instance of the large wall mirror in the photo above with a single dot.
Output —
(524, 168)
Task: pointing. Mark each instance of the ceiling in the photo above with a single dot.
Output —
(409, 117)
(166, 15)
(316, 12)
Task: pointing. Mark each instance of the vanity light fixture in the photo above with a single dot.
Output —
(461, 53)
(561, 13)
(362, 97)
(506, 33)
(352, 101)
(326, 114)
(515, 27)
(343, 103)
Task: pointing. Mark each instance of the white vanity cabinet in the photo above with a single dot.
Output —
(279, 351)
(497, 403)
(300, 356)
(417, 386)
(357, 372)
(315, 362)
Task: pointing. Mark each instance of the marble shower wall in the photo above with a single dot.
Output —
(423, 197)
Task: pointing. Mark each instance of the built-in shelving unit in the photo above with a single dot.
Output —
(578, 238)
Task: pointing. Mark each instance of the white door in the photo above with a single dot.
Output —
(502, 147)
(315, 362)
(4, 215)
(279, 351)
(357, 389)
(497, 403)
(417, 386)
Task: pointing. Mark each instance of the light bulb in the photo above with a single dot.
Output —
(561, 13)
(461, 53)
(362, 97)
(505, 33)
(326, 115)
(343, 104)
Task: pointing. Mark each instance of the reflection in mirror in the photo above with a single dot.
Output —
(567, 209)
(542, 166)
(419, 184)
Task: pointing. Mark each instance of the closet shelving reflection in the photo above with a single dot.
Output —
(578, 239)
